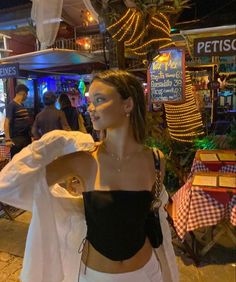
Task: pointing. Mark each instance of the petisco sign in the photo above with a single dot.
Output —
(215, 46)
(9, 70)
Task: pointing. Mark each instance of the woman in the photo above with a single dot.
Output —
(117, 176)
(74, 118)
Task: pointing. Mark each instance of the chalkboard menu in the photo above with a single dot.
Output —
(166, 77)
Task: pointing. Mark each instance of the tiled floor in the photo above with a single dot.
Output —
(213, 269)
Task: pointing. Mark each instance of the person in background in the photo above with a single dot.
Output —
(17, 122)
(69, 111)
(74, 118)
(49, 118)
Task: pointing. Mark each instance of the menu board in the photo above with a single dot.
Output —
(209, 157)
(227, 157)
(205, 180)
(227, 181)
(166, 77)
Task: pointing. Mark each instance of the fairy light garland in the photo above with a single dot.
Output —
(127, 30)
(181, 140)
(166, 19)
(160, 23)
(160, 28)
(166, 45)
(184, 120)
(138, 31)
(123, 27)
(140, 53)
(120, 20)
(150, 42)
(136, 39)
(137, 16)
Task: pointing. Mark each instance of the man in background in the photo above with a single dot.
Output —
(17, 122)
(49, 118)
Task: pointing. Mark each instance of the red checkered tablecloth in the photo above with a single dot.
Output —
(199, 166)
(232, 210)
(4, 152)
(195, 208)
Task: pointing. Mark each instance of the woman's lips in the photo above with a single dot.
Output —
(93, 118)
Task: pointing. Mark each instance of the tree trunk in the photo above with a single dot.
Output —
(120, 53)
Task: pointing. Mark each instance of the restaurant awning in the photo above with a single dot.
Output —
(56, 60)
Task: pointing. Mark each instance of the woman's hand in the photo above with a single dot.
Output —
(9, 143)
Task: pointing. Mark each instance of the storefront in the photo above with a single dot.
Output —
(7, 72)
(211, 61)
(52, 69)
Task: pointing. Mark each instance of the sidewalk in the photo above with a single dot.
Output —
(218, 266)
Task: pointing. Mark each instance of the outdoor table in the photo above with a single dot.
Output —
(208, 198)
(4, 159)
(4, 152)
(214, 160)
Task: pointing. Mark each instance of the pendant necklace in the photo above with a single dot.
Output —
(118, 159)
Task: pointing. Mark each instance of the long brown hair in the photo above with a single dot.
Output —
(127, 85)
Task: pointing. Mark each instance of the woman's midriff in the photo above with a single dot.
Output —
(96, 261)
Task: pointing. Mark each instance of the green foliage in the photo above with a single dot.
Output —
(205, 143)
(179, 155)
(232, 136)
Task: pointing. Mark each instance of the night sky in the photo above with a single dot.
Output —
(11, 3)
(198, 10)
(203, 8)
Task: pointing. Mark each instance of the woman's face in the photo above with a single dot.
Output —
(106, 109)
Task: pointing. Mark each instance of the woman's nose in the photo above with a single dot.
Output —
(91, 107)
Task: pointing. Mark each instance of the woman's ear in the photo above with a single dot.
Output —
(128, 105)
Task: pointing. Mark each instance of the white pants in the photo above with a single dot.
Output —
(150, 272)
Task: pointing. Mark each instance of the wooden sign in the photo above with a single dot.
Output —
(166, 77)
(215, 46)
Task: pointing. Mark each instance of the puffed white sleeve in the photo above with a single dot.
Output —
(18, 178)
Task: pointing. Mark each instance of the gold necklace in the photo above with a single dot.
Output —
(119, 160)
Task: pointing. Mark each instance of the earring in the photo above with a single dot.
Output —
(127, 115)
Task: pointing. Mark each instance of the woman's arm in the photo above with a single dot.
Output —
(61, 169)
(163, 165)
(35, 130)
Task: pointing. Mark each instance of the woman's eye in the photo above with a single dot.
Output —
(99, 100)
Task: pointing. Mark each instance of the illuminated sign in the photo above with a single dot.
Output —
(215, 46)
(166, 77)
(9, 70)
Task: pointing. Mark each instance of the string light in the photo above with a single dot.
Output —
(123, 26)
(120, 20)
(184, 120)
(167, 45)
(150, 42)
(161, 25)
(128, 28)
(137, 16)
(136, 39)
(181, 140)
(140, 53)
(166, 20)
(155, 32)
(182, 128)
(160, 28)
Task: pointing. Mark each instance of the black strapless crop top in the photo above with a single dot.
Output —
(116, 221)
